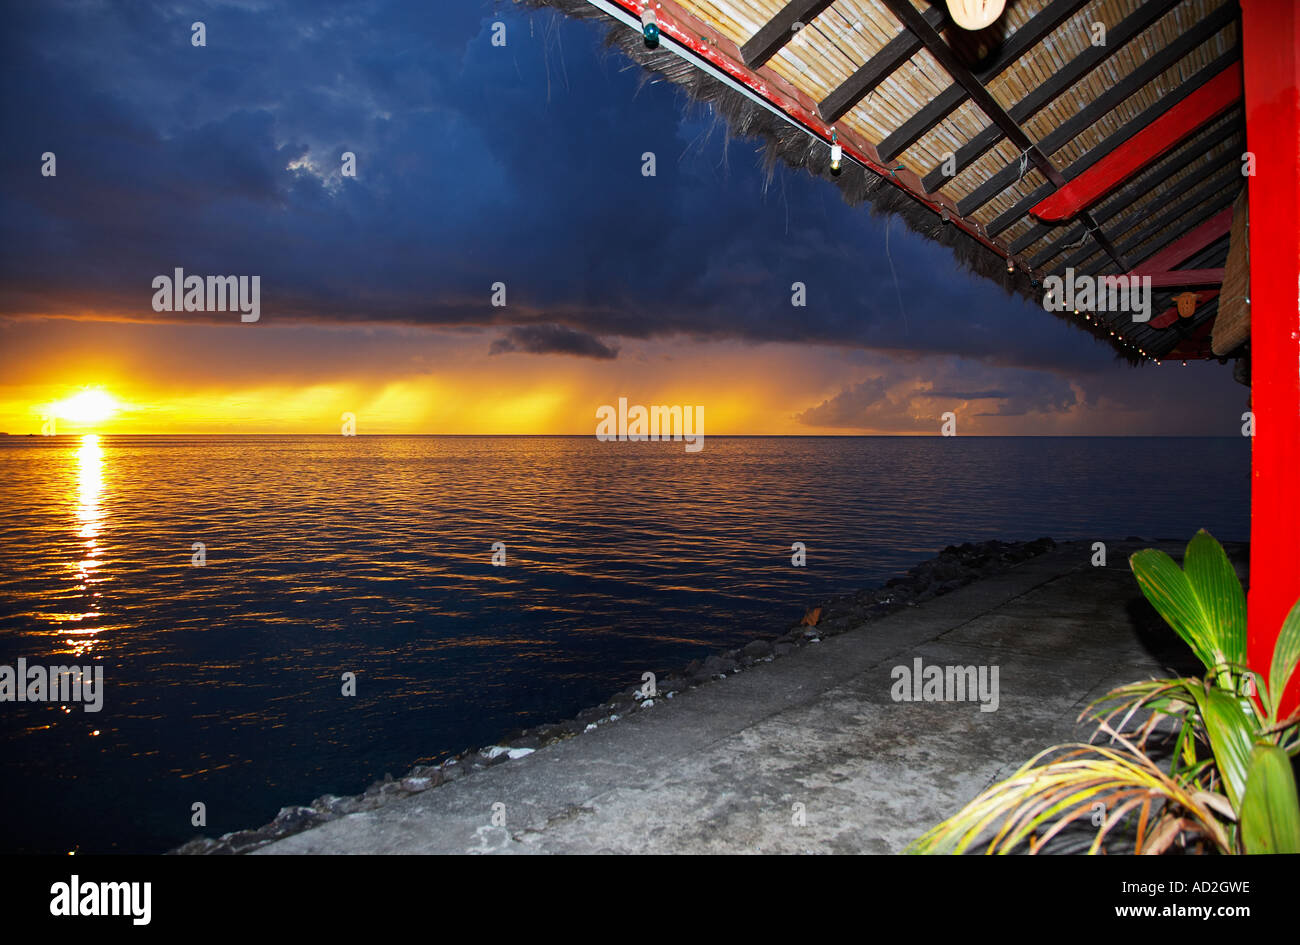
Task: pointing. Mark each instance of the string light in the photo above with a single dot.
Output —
(650, 27)
(837, 152)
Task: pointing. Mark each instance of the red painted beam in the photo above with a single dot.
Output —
(1215, 228)
(1178, 277)
(1195, 346)
(1170, 315)
(1271, 57)
(1211, 99)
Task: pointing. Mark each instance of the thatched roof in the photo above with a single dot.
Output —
(1018, 110)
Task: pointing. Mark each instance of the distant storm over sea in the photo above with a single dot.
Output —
(373, 556)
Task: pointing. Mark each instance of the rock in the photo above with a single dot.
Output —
(717, 665)
(327, 805)
(756, 649)
(295, 819)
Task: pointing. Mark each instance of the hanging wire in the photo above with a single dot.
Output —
(892, 272)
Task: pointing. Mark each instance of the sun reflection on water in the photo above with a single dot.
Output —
(89, 516)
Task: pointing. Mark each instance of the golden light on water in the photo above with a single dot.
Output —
(89, 515)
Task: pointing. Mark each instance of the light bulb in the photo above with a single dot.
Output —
(975, 14)
(650, 27)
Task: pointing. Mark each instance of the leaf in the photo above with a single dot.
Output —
(1216, 585)
(1286, 651)
(1168, 832)
(1171, 593)
(1232, 738)
(1217, 803)
(1270, 812)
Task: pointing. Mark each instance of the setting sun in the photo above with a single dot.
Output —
(90, 405)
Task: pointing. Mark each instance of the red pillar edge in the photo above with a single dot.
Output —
(1271, 60)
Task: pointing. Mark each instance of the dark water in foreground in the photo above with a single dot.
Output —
(372, 555)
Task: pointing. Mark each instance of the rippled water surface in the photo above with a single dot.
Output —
(372, 555)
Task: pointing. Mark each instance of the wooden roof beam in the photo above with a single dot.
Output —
(1077, 69)
(1211, 231)
(1021, 41)
(776, 32)
(1181, 277)
(1128, 86)
(1185, 155)
(1205, 104)
(875, 70)
(1207, 185)
(943, 54)
(1017, 211)
(1193, 203)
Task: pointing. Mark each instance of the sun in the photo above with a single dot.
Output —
(90, 405)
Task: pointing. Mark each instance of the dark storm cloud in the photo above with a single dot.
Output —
(552, 339)
(475, 165)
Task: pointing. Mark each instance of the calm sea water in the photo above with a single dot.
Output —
(372, 555)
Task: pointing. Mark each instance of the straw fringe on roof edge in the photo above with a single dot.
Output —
(800, 149)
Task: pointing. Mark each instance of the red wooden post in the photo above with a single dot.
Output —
(1271, 60)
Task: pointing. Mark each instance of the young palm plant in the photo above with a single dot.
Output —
(1201, 764)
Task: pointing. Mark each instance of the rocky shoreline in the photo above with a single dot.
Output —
(952, 568)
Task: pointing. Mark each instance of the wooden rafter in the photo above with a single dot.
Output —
(1049, 91)
(875, 70)
(1156, 139)
(984, 99)
(776, 32)
(1132, 127)
(1147, 182)
(1068, 130)
(943, 104)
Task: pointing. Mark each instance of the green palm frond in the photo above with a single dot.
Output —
(1227, 777)
(1046, 796)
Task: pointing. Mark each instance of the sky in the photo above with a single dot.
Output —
(476, 165)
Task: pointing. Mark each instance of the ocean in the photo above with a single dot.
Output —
(373, 555)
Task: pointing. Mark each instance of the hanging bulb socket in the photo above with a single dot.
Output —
(837, 152)
(650, 28)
